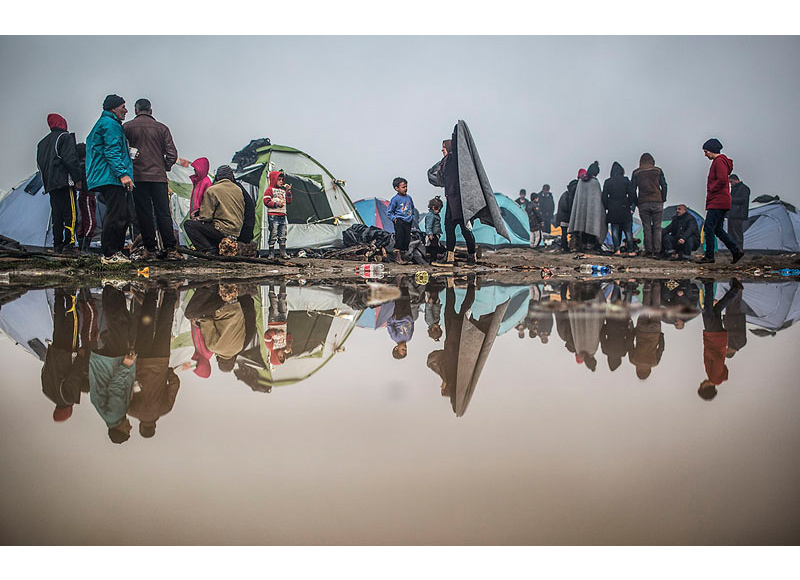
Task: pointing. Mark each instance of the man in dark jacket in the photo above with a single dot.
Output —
(57, 158)
(157, 154)
(547, 207)
(619, 199)
(718, 202)
(740, 201)
(522, 201)
(682, 236)
(564, 212)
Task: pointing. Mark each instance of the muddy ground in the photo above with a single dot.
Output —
(514, 265)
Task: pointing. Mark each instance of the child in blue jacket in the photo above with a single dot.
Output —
(401, 212)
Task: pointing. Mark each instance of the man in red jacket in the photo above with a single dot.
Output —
(718, 202)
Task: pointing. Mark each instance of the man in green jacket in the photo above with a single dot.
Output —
(109, 170)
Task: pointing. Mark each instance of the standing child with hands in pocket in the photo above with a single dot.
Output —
(276, 197)
(401, 212)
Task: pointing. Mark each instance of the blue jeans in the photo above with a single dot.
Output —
(277, 229)
(616, 235)
(713, 228)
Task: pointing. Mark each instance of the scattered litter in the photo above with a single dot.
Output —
(595, 269)
(421, 277)
(302, 254)
(672, 284)
(144, 271)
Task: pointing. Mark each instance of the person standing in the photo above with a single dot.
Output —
(718, 202)
(522, 201)
(588, 219)
(156, 155)
(276, 197)
(109, 170)
(401, 212)
(565, 210)
(740, 203)
(535, 221)
(619, 199)
(547, 206)
(57, 159)
(650, 188)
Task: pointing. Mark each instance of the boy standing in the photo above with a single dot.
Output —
(401, 212)
(276, 197)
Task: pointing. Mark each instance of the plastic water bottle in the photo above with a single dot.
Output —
(371, 270)
(790, 272)
(595, 270)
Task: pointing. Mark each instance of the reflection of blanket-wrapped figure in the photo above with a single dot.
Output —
(467, 345)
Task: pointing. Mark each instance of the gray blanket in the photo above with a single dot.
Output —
(588, 214)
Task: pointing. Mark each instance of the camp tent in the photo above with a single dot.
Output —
(772, 226)
(772, 306)
(516, 221)
(320, 210)
(373, 211)
(25, 213)
(28, 321)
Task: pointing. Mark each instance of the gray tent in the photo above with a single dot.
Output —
(772, 306)
(28, 321)
(773, 226)
(25, 213)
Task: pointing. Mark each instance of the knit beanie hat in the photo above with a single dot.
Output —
(112, 102)
(56, 121)
(223, 172)
(712, 145)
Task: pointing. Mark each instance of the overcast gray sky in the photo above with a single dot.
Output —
(373, 108)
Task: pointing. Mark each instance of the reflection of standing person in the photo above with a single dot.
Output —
(218, 313)
(736, 324)
(277, 338)
(737, 216)
(648, 342)
(616, 339)
(401, 324)
(650, 188)
(715, 338)
(433, 310)
(62, 378)
(112, 365)
(718, 202)
(159, 383)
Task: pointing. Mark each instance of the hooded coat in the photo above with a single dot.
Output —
(273, 193)
(740, 202)
(565, 203)
(588, 214)
(200, 183)
(473, 197)
(547, 205)
(718, 188)
(57, 156)
(618, 196)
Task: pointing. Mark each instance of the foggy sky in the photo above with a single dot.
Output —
(373, 108)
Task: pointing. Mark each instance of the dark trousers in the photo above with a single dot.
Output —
(736, 231)
(712, 313)
(154, 331)
(616, 234)
(65, 321)
(65, 216)
(651, 213)
(117, 220)
(432, 248)
(670, 244)
(713, 227)
(450, 231)
(151, 198)
(87, 204)
(203, 235)
(117, 333)
(402, 234)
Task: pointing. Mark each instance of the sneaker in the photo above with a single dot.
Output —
(118, 258)
(121, 285)
(738, 256)
(173, 256)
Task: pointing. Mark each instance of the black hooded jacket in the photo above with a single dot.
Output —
(57, 158)
(547, 205)
(619, 198)
(684, 227)
(565, 202)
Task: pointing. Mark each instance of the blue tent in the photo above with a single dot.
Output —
(28, 320)
(773, 226)
(25, 214)
(516, 224)
(373, 211)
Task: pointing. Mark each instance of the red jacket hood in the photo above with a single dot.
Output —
(273, 179)
(201, 167)
(726, 161)
(56, 121)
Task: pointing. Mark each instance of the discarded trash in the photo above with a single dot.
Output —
(595, 270)
(547, 273)
(144, 271)
(371, 270)
(786, 272)
(301, 254)
(672, 284)
(421, 277)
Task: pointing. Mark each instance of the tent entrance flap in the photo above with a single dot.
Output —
(309, 202)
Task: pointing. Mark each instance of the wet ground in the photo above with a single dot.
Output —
(497, 408)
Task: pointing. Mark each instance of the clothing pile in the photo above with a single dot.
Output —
(249, 154)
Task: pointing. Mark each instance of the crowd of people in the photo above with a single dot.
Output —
(586, 211)
(125, 165)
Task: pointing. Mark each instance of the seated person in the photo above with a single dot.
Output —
(221, 213)
(681, 237)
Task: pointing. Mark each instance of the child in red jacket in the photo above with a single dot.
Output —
(276, 197)
(718, 202)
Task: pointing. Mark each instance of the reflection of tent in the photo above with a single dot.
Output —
(772, 226)
(25, 213)
(773, 306)
(28, 321)
(373, 212)
(516, 221)
(490, 296)
(320, 210)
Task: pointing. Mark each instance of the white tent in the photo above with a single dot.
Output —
(25, 213)
(772, 226)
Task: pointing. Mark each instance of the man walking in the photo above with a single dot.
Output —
(156, 155)
(109, 170)
(57, 158)
(740, 202)
(718, 202)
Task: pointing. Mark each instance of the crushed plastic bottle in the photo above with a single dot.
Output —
(371, 271)
(595, 270)
(790, 272)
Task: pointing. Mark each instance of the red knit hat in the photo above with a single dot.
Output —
(56, 121)
(61, 414)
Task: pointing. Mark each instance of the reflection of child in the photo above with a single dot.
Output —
(276, 197)
(433, 228)
(715, 338)
(433, 313)
(277, 338)
(401, 325)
